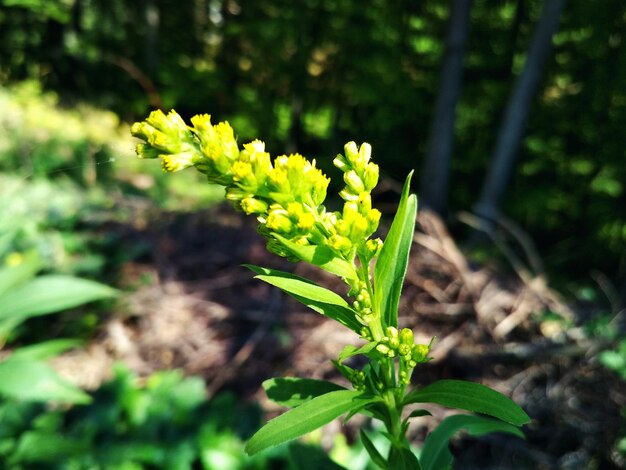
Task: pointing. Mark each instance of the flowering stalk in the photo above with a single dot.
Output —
(287, 197)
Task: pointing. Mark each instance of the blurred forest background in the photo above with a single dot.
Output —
(512, 113)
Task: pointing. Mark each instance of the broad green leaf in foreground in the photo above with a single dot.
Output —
(392, 262)
(305, 418)
(25, 379)
(13, 276)
(49, 294)
(470, 396)
(436, 454)
(310, 294)
(292, 391)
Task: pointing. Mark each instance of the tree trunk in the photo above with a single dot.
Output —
(436, 172)
(518, 107)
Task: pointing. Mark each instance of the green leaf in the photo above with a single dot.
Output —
(304, 419)
(46, 349)
(392, 262)
(48, 447)
(310, 294)
(436, 454)
(26, 379)
(308, 457)
(321, 256)
(292, 391)
(402, 458)
(471, 397)
(373, 452)
(11, 277)
(419, 414)
(351, 350)
(49, 294)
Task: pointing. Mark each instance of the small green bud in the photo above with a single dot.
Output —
(420, 352)
(407, 337)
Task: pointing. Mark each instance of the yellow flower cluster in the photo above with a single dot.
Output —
(286, 195)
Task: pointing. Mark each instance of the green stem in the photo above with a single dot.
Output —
(395, 418)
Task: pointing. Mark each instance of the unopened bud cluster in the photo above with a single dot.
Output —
(401, 344)
(358, 220)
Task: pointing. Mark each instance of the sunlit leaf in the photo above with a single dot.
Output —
(305, 418)
(321, 256)
(470, 396)
(310, 294)
(392, 262)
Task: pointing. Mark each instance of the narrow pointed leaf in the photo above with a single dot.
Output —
(436, 453)
(351, 350)
(310, 294)
(304, 419)
(470, 396)
(49, 294)
(46, 349)
(292, 391)
(392, 262)
(401, 458)
(373, 452)
(321, 256)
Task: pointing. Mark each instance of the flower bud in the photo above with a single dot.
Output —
(406, 337)
(278, 221)
(365, 202)
(341, 163)
(177, 162)
(370, 176)
(354, 183)
(373, 247)
(339, 243)
(420, 352)
(146, 151)
(251, 205)
(352, 152)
